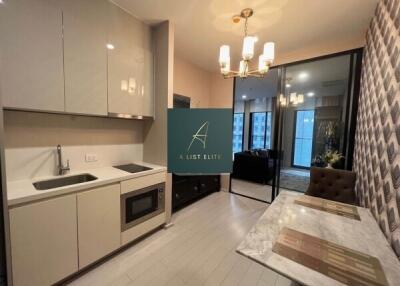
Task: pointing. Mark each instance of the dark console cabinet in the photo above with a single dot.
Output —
(187, 189)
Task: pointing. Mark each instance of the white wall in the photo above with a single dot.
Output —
(221, 93)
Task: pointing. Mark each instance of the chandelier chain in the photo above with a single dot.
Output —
(245, 27)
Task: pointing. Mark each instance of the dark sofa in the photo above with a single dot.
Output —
(254, 165)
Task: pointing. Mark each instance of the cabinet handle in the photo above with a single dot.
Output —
(196, 188)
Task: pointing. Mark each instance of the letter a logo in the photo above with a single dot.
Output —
(201, 135)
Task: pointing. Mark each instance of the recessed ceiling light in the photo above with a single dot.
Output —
(244, 96)
(288, 85)
(109, 46)
(310, 94)
(303, 75)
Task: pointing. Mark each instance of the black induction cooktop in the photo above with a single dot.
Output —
(132, 168)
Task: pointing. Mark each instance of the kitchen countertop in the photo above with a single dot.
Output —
(363, 236)
(23, 191)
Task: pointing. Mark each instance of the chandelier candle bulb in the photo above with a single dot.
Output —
(262, 64)
(293, 97)
(269, 52)
(300, 98)
(248, 47)
(224, 55)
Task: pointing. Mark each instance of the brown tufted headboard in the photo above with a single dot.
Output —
(332, 184)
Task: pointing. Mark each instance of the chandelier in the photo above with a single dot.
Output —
(264, 61)
(292, 98)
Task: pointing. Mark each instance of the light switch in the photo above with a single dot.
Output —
(90, 157)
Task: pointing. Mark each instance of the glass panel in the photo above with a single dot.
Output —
(253, 171)
(258, 130)
(303, 138)
(238, 132)
(315, 126)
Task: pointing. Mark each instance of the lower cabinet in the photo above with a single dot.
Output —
(47, 236)
(44, 244)
(99, 223)
(187, 189)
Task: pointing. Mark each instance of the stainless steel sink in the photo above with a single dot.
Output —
(64, 181)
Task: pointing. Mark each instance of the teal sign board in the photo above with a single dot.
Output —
(199, 141)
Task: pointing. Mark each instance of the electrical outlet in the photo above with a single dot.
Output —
(90, 157)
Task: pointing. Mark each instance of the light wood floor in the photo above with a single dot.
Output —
(198, 250)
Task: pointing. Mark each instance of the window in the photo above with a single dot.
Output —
(260, 130)
(304, 128)
(268, 132)
(238, 123)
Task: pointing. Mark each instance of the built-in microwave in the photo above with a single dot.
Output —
(140, 205)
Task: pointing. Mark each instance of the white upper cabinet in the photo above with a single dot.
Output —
(54, 58)
(130, 65)
(85, 56)
(31, 51)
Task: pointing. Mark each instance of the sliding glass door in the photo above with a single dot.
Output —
(317, 103)
(288, 121)
(253, 162)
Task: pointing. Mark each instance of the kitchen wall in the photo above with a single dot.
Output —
(376, 155)
(31, 140)
(192, 81)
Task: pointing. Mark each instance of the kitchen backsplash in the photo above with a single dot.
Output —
(23, 163)
(31, 140)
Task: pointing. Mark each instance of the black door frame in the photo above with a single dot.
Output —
(278, 112)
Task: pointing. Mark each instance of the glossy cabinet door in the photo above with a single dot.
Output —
(99, 223)
(31, 51)
(44, 246)
(85, 56)
(130, 65)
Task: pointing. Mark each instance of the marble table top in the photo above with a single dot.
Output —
(364, 236)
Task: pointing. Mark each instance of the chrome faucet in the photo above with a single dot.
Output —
(61, 168)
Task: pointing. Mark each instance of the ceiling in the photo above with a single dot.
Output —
(325, 77)
(202, 26)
